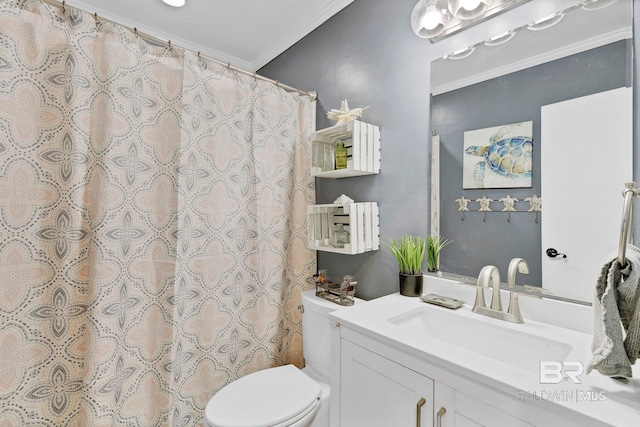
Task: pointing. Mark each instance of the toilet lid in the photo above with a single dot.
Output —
(264, 398)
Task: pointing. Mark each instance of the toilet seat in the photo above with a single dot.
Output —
(270, 398)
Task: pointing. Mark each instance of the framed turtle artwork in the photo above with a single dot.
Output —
(498, 157)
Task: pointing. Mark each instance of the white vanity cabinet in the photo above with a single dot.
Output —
(376, 391)
(456, 409)
(377, 384)
(379, 392)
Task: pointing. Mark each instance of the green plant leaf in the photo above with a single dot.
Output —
(409, 252)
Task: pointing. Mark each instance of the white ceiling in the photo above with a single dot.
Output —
(246, 33)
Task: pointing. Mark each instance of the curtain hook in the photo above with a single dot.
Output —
(169, 41)
(199, 55)
(95, 16)
(64, 9)
(135, 31)
(254, 77)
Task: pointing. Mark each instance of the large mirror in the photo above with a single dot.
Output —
(515, 78)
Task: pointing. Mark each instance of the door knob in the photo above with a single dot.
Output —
(552, 253)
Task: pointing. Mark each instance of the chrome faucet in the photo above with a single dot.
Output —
(491, 275)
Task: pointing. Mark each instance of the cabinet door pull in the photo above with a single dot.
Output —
(419, 406)
(439, 414)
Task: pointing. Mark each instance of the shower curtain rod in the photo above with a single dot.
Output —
(312, 94)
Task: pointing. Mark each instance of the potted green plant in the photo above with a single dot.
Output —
(434, 246)
(409, 251)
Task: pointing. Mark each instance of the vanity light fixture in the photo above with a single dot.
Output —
(546, 22)
(460, 54)
(597, 4)
(174, 3)
(437, 19)
(500, 38)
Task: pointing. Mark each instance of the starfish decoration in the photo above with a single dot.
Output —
(344, 114)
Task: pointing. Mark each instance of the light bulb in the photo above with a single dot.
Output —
(432, 17)
(468, 9)
(427, 20)
(174, 3)
(469, 4)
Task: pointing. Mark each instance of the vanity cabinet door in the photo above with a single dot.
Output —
(378, 392)
(455, 409)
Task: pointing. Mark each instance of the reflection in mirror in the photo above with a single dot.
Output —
(508, 80)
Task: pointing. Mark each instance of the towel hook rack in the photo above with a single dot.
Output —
(627, 220)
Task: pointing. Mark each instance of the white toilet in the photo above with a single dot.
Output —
(286, 395)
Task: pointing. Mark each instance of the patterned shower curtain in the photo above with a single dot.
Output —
(152, 224)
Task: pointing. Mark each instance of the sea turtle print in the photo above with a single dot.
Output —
(510, 157)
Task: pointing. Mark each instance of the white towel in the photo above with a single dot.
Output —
(616, 307)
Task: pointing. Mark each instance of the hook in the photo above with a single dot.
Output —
(462, 216)
(135, 31)
(484, 217)
(64, 9)
(198, 54)
(508, 216)
(169, 42)
(95, 16)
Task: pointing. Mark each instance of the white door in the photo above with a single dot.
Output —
(587, 157)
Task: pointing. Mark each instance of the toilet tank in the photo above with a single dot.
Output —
(316, 330)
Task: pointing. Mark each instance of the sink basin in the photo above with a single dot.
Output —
(488, 337)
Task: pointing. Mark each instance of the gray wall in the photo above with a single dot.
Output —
(368, 54)
(513, 98)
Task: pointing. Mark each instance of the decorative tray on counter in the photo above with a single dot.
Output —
(339, 293)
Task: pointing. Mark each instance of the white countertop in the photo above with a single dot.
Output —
(597, 400)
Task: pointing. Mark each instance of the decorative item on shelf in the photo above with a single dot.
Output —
(340, 236)
(435, 244)
(343, 200)
(409, 252)
(341, 156)
(341, 293)
(463, 205)
(345, 114)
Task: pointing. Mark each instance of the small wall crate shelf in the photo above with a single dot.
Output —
(359, 219)
(362, 141)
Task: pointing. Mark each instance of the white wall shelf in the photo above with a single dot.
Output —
(359, 219)
(362, 141)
